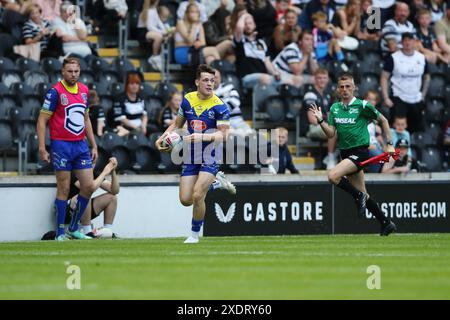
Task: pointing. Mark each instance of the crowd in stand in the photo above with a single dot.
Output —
(399, 55)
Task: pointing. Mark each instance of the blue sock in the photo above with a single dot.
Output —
(79, 210)
(196, 225)
(340, 56)
(215, 185)
(60, 207)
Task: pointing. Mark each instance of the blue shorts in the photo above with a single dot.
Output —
(194, 169)
(70, 155)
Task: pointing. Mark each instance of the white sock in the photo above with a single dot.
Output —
(109, 226)
(216, 184)
(195, 234)
(86, 229)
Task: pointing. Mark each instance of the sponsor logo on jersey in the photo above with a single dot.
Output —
(46, 105)
(74, 122)
(64, 99)
(198, 125)
(353, 110)
(345, 120)
(211, 114)
(84, 96)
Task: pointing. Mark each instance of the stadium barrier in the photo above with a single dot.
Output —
(148, 206)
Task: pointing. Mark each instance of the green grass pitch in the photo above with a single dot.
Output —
(414, 266)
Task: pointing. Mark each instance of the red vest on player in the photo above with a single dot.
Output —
(67, 121)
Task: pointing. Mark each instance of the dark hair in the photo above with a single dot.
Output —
(303, 34)
(71, 60)
(204, 68)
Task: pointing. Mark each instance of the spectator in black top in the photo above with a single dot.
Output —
(404, 164)
(129, 108)
(265, 17)
(252, 59)
(427, 40)
(285, 159)
(169, 113)
(96, 113)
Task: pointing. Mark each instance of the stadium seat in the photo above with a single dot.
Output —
(275, 109)
(25, 64)
(116, 89)
(83, 65)
(49, 65)
(153, 102)
(447, 95)
(107, 77)
(20, 91)
(436, 90)
(436, 70)
(164, 89)
(260, 94)
(6, 136)
(7, 101)
(232, 78)
(435, 130)
(10, 76)
(102, 160)
(41, 89)
(287, 91)
(122, 66)
(146, 90)
(32, 148)
(434, 109)
(422, 140)
(143, 155)
(294, 106)
(87, 77)
(55, 77)
(6, 64)
(106, 103)
(224, 66)
(335, 69)
(101, 88)
(34, 77)
(110, 141)
(368, 82)
(98, 64)
(431, 158)
(3, 89)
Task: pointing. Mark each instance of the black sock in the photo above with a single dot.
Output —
(374, 208)
(345, 185)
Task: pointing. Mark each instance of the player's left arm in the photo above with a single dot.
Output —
(371, 113)
(90, 137)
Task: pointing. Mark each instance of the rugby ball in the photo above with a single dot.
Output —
(104, 233)
(171, 140)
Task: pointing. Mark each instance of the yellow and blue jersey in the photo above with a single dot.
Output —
(203, 115)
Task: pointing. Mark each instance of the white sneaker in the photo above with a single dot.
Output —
(226, 184)
(331, 163)
(191, 239)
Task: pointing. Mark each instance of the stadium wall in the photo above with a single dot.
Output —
(148, 206)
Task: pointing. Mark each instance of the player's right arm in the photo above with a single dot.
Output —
(328, 128)
(177, 124)
(49, 106)
(40, 129)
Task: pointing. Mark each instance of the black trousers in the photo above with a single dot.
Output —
(412, 112)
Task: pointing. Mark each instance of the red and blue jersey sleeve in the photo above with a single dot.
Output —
(50, 102)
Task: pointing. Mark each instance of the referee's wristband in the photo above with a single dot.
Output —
(320, 122)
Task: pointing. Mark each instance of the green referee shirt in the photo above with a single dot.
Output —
(351, 122)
